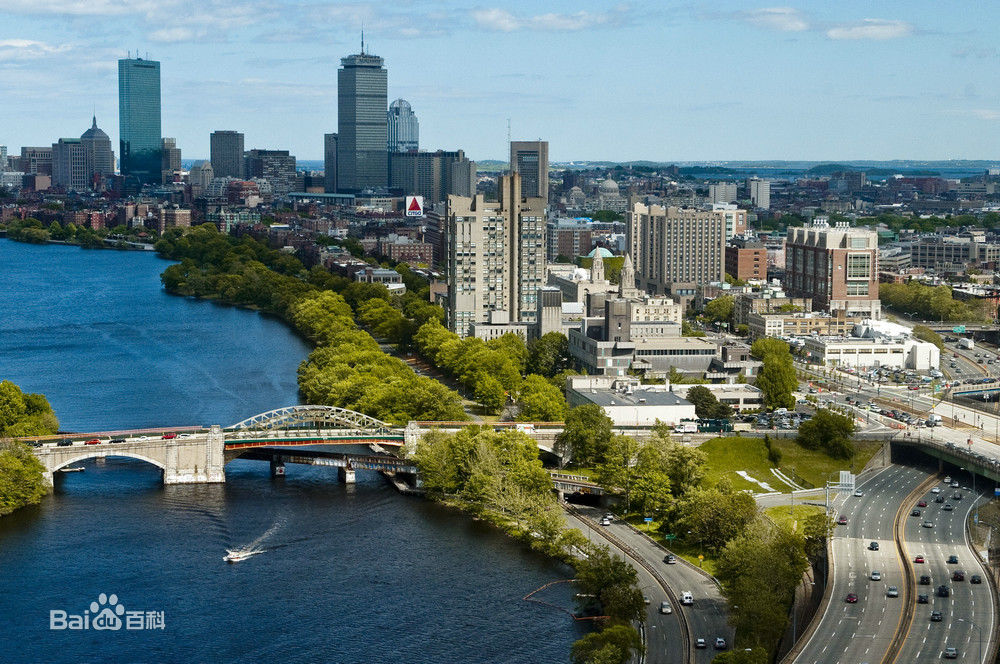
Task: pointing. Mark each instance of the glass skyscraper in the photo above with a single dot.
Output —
(139, 119)
(362, 135)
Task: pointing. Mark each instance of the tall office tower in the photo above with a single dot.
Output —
(275, 166)
(139, 119)
(722, 192)
(531, 160)
(170, 159)
(760, 193)
(227, 153)
(676, 249)
(403, 128)
(36, 160)
(69, 165)
(837, 267)
(495, 255)
(362, 134)
(98, 155)
(433, 175)
(330, 163)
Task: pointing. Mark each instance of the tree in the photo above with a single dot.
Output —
(828, 431)
(615, 644)
(720, 309)
(585, 435)
(549, 354)
(706, 405)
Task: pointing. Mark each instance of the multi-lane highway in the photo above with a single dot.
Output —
(967, 614)
(862, 631)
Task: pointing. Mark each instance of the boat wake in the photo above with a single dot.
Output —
(253, 548)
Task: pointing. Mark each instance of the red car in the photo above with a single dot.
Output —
(922, 503)
(169, 436)
(918, 559)
(93, 441)
(852, 598)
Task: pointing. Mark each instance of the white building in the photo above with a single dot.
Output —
(629, 403)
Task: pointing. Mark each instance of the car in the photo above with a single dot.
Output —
(700, 643)
(950, 653)
(953, 559)
(936, 489)
(943, 591)
(852, 598)
(876, 575)
(939, 499)
(842, 520)
(169, 436)
(975, 578)
(915, 513)
(720, 643)
(918, 558)
(670, 559)
(93, 441)
(922, 503)
(922, 599)
(892, 591)
(958, 575)
(927, 524)
(665, 607)
(947, 507)
(873, 546)
(924, 580)
(936, 616)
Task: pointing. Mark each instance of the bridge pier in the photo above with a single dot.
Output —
(277, 468)
(346, 475)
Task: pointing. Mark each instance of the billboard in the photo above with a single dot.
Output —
(414, 206)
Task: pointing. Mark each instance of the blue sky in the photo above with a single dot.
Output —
(665, 81)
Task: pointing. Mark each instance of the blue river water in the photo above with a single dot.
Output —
(347, 574)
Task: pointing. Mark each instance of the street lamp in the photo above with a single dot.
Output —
(978, 629)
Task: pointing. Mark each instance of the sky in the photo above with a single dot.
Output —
(661, 81)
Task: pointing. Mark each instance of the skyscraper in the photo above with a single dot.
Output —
(404, 130)
(362, 135)
(227, 154)
(531, 160)
(139, 119)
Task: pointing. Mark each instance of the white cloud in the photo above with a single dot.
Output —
(501, 20)
(783, 19)
(871, 28)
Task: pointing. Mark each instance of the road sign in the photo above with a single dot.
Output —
(414, 206)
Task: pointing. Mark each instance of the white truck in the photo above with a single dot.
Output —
(966, 343)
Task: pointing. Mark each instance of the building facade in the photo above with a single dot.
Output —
(362, 134)
(531, 160)
(227, 153)
(495, 255)
(139, 119)
(836, 266)
(403, 127)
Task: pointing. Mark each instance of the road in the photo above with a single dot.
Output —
(707, 617)
(969, 602)
(862, 632)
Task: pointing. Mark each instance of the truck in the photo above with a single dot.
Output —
(966, 343)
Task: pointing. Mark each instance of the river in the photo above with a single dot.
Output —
(347, 574)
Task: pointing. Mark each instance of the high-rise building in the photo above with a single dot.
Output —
(722, 192)
(495, 256)
(531, 160)
(277, 167)
(330, 163)
(403, 128)
(69, 165)
(676, 249)
(36, 160)
(433, 175)
(760, 193)
(362, 135)
(837, 267)
(139, 119)
(227, 154)
(170, 159)
(98, 155)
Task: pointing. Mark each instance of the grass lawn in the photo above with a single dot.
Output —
(782, 515)
(677, 546)
(733, 453)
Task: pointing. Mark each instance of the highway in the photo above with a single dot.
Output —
(862, 632)
(969, 602)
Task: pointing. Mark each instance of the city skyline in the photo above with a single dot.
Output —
(719, 81)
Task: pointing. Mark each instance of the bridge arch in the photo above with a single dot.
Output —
(99, 454)
(291, 416)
